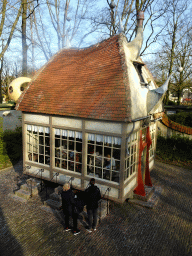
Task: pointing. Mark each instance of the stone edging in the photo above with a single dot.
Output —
(176, 126)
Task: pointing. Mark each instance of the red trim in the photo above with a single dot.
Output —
(147, 173)
(140, 190)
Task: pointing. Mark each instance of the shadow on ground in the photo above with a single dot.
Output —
(9, 245)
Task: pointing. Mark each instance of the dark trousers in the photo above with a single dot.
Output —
(92, 217)
(74, 216)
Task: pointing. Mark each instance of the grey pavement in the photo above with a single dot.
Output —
(30, 229)
(12, 121)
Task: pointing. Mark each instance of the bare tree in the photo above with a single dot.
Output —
(178, 25)
(108, 20)
(66, 27)
(7, 26)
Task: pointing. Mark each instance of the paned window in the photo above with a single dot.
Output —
(38, 144)
(68, 150)
(138, 67)
(152, 147)
(103, 157)
(131, 155)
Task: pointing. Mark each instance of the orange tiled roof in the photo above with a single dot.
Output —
(87, 83)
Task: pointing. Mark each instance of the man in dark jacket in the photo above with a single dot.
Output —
(93, 195)
(68, 205)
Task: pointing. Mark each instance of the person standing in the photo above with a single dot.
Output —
(93, 195)
(68, 205)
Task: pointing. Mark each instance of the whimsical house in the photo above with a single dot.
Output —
(93, 112)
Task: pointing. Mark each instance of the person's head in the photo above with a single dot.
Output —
(92, 181)
(66, 186)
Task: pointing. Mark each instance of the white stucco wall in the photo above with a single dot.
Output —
(138, 93)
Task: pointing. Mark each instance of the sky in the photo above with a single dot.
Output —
(14, 55)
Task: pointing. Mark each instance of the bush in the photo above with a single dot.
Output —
(172, 103)
(176, 148)
(184, 118)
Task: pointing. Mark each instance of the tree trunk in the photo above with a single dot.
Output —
(24, 37)
(1, 80)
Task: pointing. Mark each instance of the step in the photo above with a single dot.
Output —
(53, 204)
(153, 200)
(34, 182)
(35, 189)
(148, 191)
(23, 194)
(56, 197)
(17, 198)
(58, 190)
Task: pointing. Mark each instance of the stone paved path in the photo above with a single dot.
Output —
(27, 229)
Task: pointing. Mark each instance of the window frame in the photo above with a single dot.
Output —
(68, 163)
(138, 66)
(131, 159)
(100, 171)
(33, 142)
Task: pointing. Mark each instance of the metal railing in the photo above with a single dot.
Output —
(56, 174)
(40, 170)
(21, 176)
(100, 202)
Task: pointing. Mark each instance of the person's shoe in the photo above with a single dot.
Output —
(76, 232)
(67, 229)
(94, 229)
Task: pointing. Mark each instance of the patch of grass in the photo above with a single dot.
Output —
(175, 150)
(10, 146)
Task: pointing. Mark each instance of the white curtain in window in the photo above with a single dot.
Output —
(57, 132)
(47, 130)
(64, 133)
(35, 128)
(79, 135)
(67, 133)
(116, 141)
(107, 139)
(91, 137)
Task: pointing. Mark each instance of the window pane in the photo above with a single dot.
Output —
(71, 145)
(90, 149)
(41, 159)
(71, 155)
(78, 167)
(78, 146)
(57, 142)
(47, 160)
(106, 174)
(41, 141)
(47, 141)
(79, 157)
(115, 176)
(64, 164)
(116, 153)
(47, 151)
(41, 150)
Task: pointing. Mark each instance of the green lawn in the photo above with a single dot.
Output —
(10, 146)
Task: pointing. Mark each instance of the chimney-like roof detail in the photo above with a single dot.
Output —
(87, 83)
